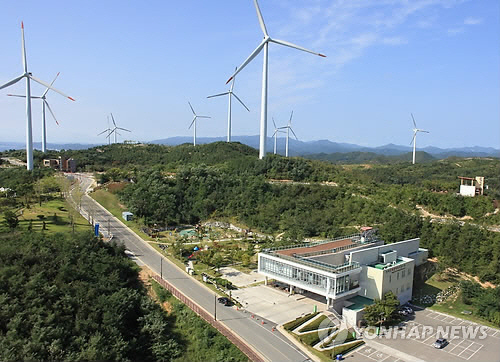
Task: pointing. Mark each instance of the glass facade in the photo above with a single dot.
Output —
(306, 279)
(294, 274)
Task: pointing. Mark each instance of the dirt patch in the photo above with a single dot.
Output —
(116, 186)
(145, 276)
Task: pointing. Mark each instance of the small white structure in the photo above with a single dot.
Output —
(127, 216)
(471, 186)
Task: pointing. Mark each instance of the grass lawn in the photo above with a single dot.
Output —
(55, 213)
(314, 325)
(453, 306)
(111, 203)
(290, 326)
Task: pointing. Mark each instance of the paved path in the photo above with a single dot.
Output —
(270, 344)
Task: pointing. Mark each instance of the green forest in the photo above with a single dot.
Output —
(73, 297)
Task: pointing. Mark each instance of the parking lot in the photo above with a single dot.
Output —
(460, 347)
(375, 354)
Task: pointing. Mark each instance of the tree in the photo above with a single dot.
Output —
(383, 310)
(11, 219)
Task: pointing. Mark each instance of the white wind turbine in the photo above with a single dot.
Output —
(288, 129)
(230, 93)
(265, 45)
(108, 130)
(275, 134)
(194, 122)
(45, 104)
(29, 76)
(414, 139)
(115, 128)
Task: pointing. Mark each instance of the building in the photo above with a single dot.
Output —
(471, 186)
(62, 163)
(348, 271)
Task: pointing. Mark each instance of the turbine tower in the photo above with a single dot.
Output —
(116, 128)
(265, 45)
(194, 122)
(45, 104)
(414, 139)
(230, 93)
(288, 129)
(275, 134)
(29, 76)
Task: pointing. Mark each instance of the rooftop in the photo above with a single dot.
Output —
(327, 246)
(383, 266)
(359, 302)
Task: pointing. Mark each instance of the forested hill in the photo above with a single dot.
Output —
(370, 157)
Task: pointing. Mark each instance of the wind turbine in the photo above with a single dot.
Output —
(194, 122)
(275, 134)
(265, 45)
(29, 76)
(45, 104)
(116, 128)
(230, 93)
(288, 129)
(414, 139)
(108, 130)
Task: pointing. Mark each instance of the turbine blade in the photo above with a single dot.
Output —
(276, 128)
(291, 45)
(192, 110)
(203, 117)
(413, 119)
(191, 125)
(45, 93)
(49, 86)
(413, 139)
(123, 129)
(290, 120)
(113, 119)
(294, 134)
(248, 60)
(25, 63)
(234, 79)
(261, 19)
(13, 81)
(18, 95)
(106, 130)
(217, 95)
(52, 113)
(421, 130)
(239, 100)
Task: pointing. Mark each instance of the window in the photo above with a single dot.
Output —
(390, 278)
(409, 271)
(403, 273)
(397, 277)
(397, 290)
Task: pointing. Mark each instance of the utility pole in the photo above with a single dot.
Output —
(215, 307)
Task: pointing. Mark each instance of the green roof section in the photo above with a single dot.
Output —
(383, 266)
(359, 302)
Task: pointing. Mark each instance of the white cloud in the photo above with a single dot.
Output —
(455, 31)
(473, 21)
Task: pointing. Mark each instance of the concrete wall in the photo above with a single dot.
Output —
(352, 317)
(375, 282)
(467, 190)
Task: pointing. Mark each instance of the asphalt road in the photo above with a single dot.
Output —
(270, 344)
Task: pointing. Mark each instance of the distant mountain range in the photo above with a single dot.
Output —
(297, 148)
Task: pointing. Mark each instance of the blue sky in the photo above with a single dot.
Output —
(144, 60)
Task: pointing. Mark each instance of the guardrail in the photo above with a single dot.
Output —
(249, 352)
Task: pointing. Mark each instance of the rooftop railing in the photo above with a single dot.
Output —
(336, 269)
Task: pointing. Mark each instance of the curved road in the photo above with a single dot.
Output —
(270, 344)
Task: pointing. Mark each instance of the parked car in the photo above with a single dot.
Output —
(408, 309)
(440, 343)
(225, 301)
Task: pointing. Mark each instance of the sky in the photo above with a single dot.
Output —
(144, 60)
